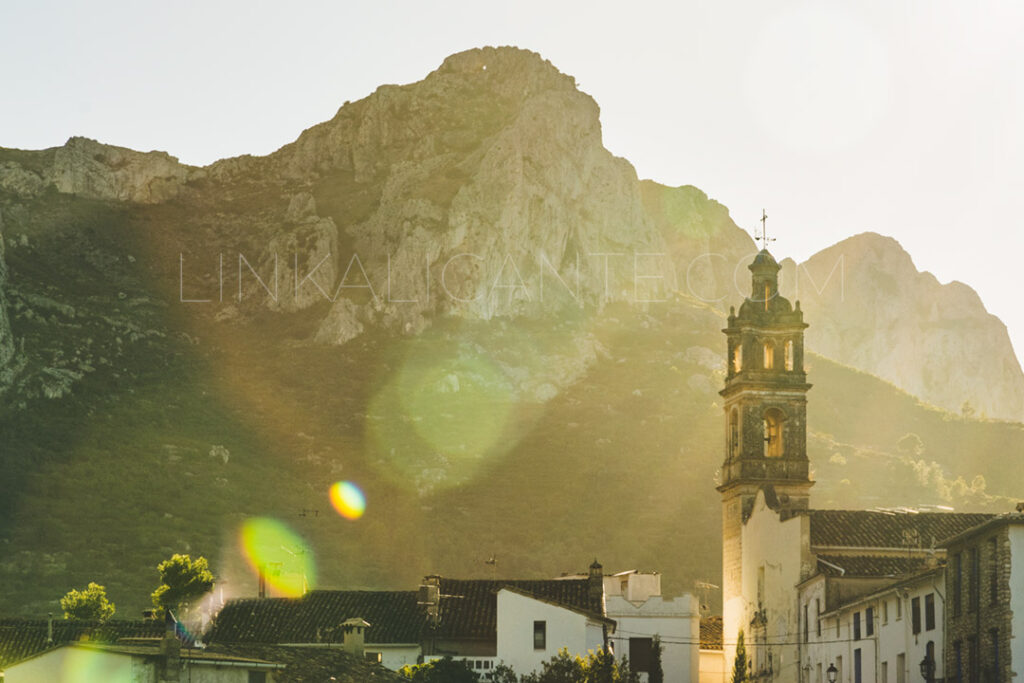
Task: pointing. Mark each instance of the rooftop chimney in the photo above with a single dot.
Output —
(595, 589)
(170, 652)
(354, 635)
(430, 597)
(49, 628)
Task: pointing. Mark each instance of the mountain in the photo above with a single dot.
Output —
(450, 294)
(873, 310)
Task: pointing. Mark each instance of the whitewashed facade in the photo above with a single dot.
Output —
(532, 631)
(633, 599)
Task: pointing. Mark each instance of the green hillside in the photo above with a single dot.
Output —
(103, 481)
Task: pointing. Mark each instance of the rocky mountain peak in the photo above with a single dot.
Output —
(870, 307)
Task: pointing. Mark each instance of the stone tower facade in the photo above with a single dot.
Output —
(765, 426)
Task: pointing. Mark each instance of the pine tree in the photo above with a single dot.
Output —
(739, 667)
(656, 674)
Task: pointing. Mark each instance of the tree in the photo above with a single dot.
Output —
(445, 670)
(739, 667)
(182, 580)
(562, 668)
(656, 674)
(503, 673)
(90, 604)
(598, 667)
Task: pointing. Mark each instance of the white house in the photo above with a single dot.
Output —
(531, 630)
(95, 663)
(882, 636)
(633, 599)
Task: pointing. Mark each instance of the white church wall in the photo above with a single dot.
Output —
(773, 555)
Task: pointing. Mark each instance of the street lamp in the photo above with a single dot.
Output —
(832, 672)
(928, 668)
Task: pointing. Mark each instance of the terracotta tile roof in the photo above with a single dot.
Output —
(876, 529)
(22, 638)
(316, 617)
(304, 664)
(711, 633)
(469, 607)
(861, 566)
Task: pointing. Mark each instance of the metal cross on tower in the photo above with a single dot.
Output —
(763, 238)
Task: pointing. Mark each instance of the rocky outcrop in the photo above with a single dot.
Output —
(870, 308)
(90, 169)
(709, 252)
(490, 195)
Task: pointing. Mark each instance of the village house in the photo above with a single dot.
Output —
(984, 590)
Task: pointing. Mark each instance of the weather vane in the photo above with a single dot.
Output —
(764, 239)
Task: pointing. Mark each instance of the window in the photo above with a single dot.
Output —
(839, 668)
(817, 617)
(994, 635)
(973, 665)
(807, 622)
(257, 677)
(856, 625)
(734, 433)
(789, 355)
(737, 358)
(869, 621)
(885, 611)
(958, 658)
(760, 586)
(915, 615)
(899, 608)
(993, 571)
(901, 668)
(856, 667)
(958, 582)
(929, 612)
(885, 672)
(773, 446)
(837, 627)
(818, 676)
(372, 656)
(973, 585)
(540, 635)
(769, 355)
(640, 651)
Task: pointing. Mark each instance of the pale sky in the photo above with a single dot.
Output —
(903, 118)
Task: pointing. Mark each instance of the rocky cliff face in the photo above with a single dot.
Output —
(487, 191)
(870, 308)
(709, 252)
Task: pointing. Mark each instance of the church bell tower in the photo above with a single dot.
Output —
(765, 400)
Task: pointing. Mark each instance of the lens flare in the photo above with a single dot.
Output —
(284, 558)
(348, 500)
(88, 665)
